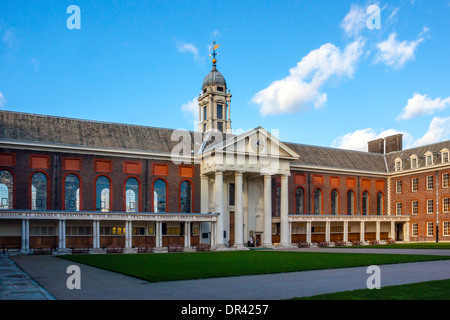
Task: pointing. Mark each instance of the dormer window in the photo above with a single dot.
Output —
(398, 165)
(445, 155)
(428, 159)
(414, 162)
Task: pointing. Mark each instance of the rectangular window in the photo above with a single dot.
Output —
(415, 184)
(415, 207)
(445, 205)
(398, 211)
(415, 229)
(429, 160)
(220, 126)
(430, 229)
(219, 111)
(445, 157)
(430, 182)
(398, 165)
(231, 194)
(446, 228)
(205, 113)
(413, 163)
(399, 186)
(445, 179)
(430, 206)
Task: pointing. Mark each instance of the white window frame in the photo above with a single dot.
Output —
(430, 224)
(428, 182)
(428, 206)
(445, 182)
(398, 209)
(398, 165)
(445, 153)
(412, 184)
(446, 205)
(427, 155)
(415, 159)
(446, 228)
(412, 207)
(398, 186)
(415, 229)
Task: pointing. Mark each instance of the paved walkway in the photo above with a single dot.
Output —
(15, 284)
(99, 284)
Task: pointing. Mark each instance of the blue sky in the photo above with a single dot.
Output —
(312, 69)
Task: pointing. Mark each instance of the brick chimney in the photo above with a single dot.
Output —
(376, 146)
(394, 143)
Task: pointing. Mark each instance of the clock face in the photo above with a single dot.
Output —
(257, 144)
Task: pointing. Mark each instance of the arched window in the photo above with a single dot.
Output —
(379, 203)
(72, 193)
(132, 195)
(350, 203)
(159, 196)
(185, 197)
(334, 202)
(365, 203)
(39, 191)
(6, 190)
(299, 201)
(103, 198)
(317, 202)
(276, 208)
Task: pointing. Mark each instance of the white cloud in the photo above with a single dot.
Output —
(2, 100)
(422, 104)
(190, 48)
(358, 139)
(395, 53)
(354, 21)
(301, 88)
(191, 108)
(439, 130)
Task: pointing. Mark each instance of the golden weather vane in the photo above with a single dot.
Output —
(214, 53)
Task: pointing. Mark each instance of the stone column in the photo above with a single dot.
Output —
(308, 231)
(267, 237)
(187, 234)
(218, 186)
(61, 235)
(204, 194)
(406, 231)
(96, 236)
(158, 240)
(284, 210)
(25, 236)
(239, 212)
(345, 237)
(378, 230)
(361, 231)
(392, 235)
(128, 237)
(212, 238)
(327, 231)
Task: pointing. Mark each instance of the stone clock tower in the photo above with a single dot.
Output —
(214, 102)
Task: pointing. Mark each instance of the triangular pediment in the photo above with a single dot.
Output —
(257, 142)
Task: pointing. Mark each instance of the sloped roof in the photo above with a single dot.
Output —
(66, 131)
(338, 158)
(435, 148)
(17, 126)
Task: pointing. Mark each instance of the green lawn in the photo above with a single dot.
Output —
(424, 245)
(432, 290)
(181, 266)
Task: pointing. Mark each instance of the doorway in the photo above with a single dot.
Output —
(399, 232)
